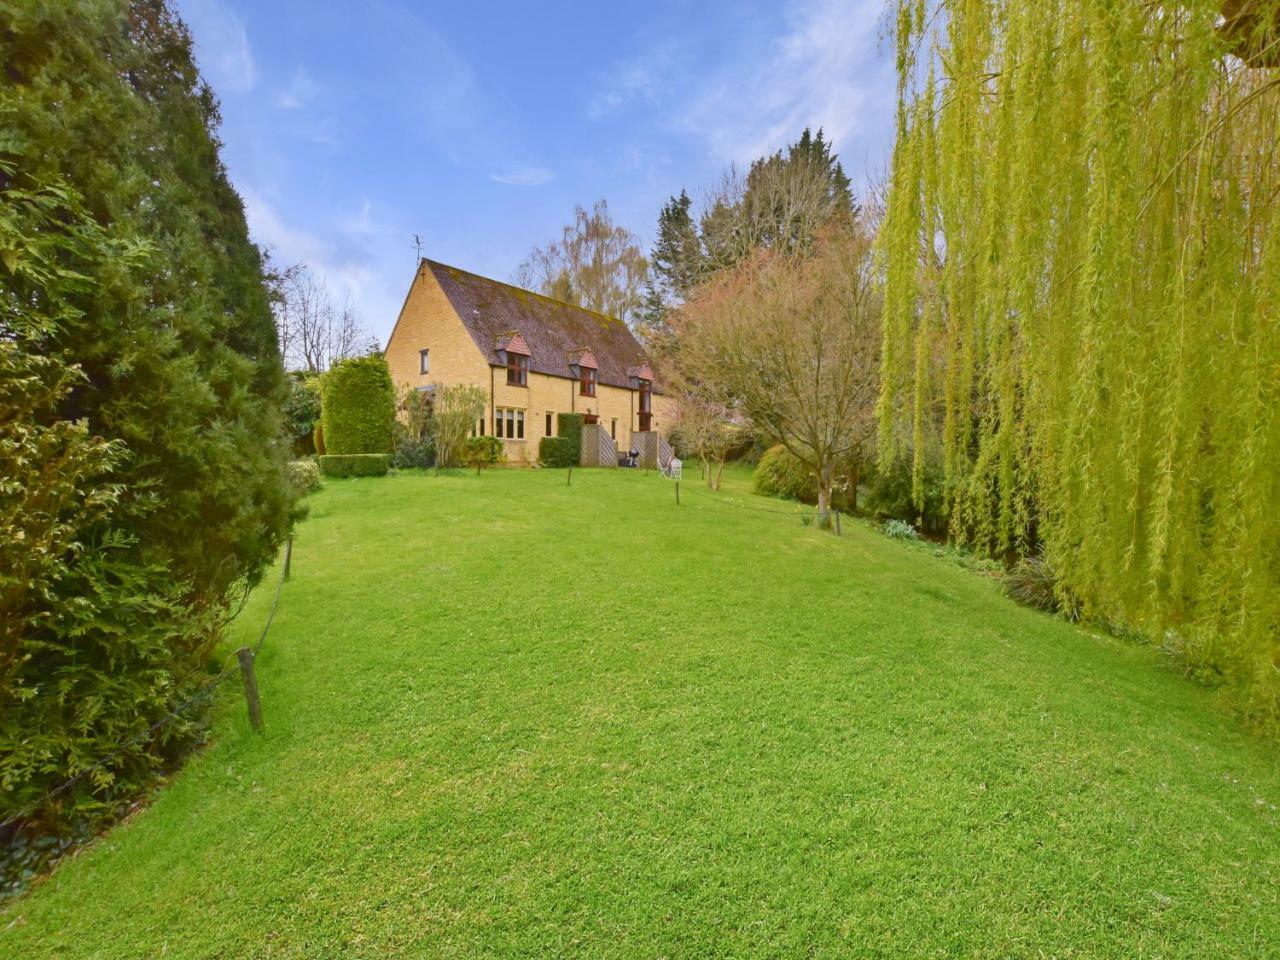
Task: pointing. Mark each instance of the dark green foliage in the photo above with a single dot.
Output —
(569, 426)
(355, 464)
(142, 375)
(557, 452)
(414, 452)
(305, 476)
(677, 258)
(359, 406)
(481, 452)
(302, 412)
(889, 498)
(781, 474)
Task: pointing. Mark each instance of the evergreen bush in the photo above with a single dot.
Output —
(781, 474)
(557, 452)
(569, 427)
(358, 410)
(142, 463)
(355, 464)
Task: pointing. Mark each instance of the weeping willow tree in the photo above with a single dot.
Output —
(1082, 311)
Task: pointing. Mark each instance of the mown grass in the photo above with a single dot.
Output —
(510, 717)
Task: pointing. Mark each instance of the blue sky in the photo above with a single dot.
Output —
(349, 127)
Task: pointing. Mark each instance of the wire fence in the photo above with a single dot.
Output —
(173, 714)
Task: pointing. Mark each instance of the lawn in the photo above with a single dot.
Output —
(506, 717)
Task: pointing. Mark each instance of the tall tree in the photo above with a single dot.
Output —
(595, 264)
(1082, 243)
(314, 332)
(167, 324)
(791, 341)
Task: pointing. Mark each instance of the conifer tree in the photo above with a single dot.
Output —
(170, 345)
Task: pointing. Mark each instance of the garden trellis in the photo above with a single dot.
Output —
(1082, 249)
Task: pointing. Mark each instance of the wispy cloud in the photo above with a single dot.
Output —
(222, 46)
(643, 79)
(822, 71)
(300, 91)
(524, 177)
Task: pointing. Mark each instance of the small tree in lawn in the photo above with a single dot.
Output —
(455, 410)
(710, 427)
(793, 341)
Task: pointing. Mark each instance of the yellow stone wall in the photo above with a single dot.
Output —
(428, 321)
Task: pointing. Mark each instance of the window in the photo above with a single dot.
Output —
(508, 423)
(613, 429)
(549, 431)
(478, 429)
(517, 369)
(587, 384)
(424, 365)
(646, 405)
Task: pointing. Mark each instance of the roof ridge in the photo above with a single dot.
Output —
(532, 293)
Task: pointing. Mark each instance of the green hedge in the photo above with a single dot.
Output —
(355, 464)
(358, 409)
(557, 452)
(569, 427)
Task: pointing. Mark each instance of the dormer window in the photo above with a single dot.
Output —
(517, 369)
(513, 353)
(587, 382)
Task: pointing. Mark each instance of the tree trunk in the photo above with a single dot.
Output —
(855, 475)
(824, 498)
(719, 474)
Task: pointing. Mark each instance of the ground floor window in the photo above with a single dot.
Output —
(478, 429)
(550, 423)
(508, 423)
(613, 429)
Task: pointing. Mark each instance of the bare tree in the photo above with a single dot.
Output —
(455, 411)
(313, 332)
(595, 264)
(794, 343)
(710, 427)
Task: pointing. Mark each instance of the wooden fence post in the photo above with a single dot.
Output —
(677, 493)
(245, 656)
(838, 524)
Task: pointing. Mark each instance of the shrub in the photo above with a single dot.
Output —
(900, 530)
(305, 476)
(557, 452)
(359, 406)
(1033, 581)
(411, 452)
(355, 464)
(481, 452)
(302, 412)
(317, 438)
(781, 474)
(455, 411)
(889, 497)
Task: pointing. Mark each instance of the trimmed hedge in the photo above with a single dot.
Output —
(358, 411)
(569, 427)
(557, 452)
(355, 464)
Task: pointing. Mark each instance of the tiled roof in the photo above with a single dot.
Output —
(557, 333)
